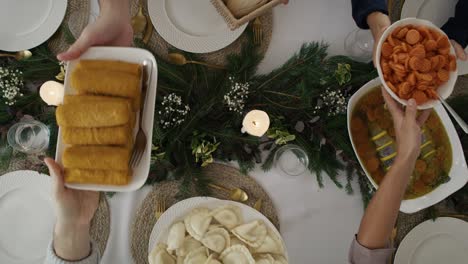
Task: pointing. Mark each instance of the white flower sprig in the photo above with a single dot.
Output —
(236, 97)
(11, 82)
(334, 102)
(174, 112)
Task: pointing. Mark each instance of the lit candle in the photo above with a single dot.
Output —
(52, 93)
(256, 123)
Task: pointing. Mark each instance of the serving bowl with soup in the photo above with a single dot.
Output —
(440, 169)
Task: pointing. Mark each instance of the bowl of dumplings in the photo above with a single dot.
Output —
(211, 231)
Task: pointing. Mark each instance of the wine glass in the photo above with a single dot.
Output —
(29, 136)
(359, 45)
(292, 160)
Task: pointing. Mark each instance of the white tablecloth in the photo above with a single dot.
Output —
(317, 224)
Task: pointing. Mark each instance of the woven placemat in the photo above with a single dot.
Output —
(160, 47)
(100, 225)
(219, 174)
(76, 18)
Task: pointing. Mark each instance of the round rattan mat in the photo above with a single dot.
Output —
(219, 174)
(76, 19)
(160, 47)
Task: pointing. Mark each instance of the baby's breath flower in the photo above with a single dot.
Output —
(332, 101)
(173, 111)
(236, 97)
(11, 82)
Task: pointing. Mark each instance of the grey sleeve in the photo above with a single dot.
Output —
(52, 258)
(359, 254)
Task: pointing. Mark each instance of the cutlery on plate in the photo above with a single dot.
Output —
(148, 33)
(258, 204)
(20, 55)
(139, 21)
(160, 208)
(236, 194)
(454, 114)
(179, 59)
(141, 140)
(257, 31)
(392, 242)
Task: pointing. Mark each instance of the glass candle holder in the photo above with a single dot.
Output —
(291, 160)
(30, 137)
(359, 45)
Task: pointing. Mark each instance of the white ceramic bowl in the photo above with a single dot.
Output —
(458, 172)
(444, 90)
(134, 55)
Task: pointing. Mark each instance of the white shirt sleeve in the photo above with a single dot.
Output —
(52, 258)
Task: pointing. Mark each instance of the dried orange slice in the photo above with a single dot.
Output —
(387, 50)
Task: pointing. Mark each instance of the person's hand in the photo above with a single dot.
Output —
(461, 53)
(74, 211)
(378, 23)
(112, 28)
(285, 2)
(407, 126)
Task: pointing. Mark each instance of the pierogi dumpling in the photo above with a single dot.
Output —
(217, 240)
(253, 233)
(197, 222)
(237, 254)
(197, 256)
(229, 216)
(212, 260)
(264, 259)
(272, 245)
(189, 244)
(176, 236)
(159, 255)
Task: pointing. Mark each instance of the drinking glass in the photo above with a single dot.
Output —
(291, 160)
(359, 45)
(30, 137)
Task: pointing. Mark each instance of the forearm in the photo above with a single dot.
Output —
(382, 212)
(115, 8)
(363, 8)
(377, 21)
(72, 242)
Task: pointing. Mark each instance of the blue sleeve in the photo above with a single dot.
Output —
(457, 27)
(362, 8)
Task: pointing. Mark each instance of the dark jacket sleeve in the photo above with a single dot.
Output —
(457, 27)
(362, 8)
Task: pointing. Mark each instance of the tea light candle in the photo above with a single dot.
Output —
(256, 123)
(52, 92)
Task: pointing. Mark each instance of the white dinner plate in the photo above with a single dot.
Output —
(133, 55)
(25, 24)
(458, 172)
(193, 26)
(444, 240)
(436, 11)
(26, 217)
(179, 210)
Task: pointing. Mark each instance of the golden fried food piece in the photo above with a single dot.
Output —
(117, 135)
(72, 99)
(105, 82)
(105, 177)
(118, 66)
(90, 114)
(96, 157)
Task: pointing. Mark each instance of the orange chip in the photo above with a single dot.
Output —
(426, 65)
(430, 45)
(445, 51)
(404, 47)
(443, 42)
(442, 62)
(415, 63)
(443, 75)
(412, 79)
(387, 50)
(406, 87)
(418, 51)
(435, 34)
(431, 94)
(402, 33)
(452, 63)
(386, 68)
(413, 36)
(420, 97)
(392, 87)
(435, 62)
(423, 76)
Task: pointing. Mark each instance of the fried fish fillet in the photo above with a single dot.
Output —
(117, 135)
(93, 114)
(106, 177)
(105, 82)
(118, 66)
(96, 157)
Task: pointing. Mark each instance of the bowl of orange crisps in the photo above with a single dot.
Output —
(416, 60)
